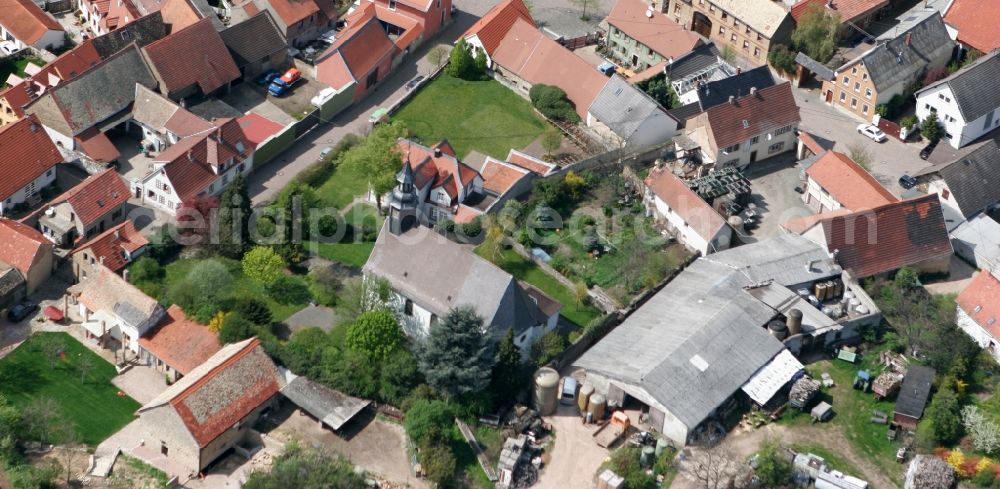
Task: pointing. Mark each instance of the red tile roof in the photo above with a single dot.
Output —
(492, 27)
(981, 301)
(181, 343)
(802, 224)
(96, 145)
(27, 153)
(21, 246)
(889, 237)
(96, 196)
(223, 390)
(657, 32)
(189, 163)
(292, 11)
(976, 23)
(178, 14)
(531, 55)
(363, 44)
(193, 55)
(439, 171)
(26, 21)
(109, 246)
(848, 183)
(810, 142)
(529, 162)
(848, 10)
(499, 177)
(466, 214)
(771, 108)
(257, 127)
(65, 67)
(685, 203)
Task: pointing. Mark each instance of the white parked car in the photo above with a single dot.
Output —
(8, 48)
(872, 132)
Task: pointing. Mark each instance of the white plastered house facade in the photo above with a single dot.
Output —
(7, 202)
(940, 99)
(157, 190)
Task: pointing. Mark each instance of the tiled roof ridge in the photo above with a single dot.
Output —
(209, 375)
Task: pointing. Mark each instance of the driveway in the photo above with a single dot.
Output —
(377, 446)
(891, 159)
(575, 456)
(773, 183)
(265, 182)
(141, 383)
(247, 98)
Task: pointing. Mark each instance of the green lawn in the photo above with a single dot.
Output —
(342, 186)
(352, 252)
(484, 116)
(834, 460)
(523, 269)
(466, 463)
(8, 67)
(92, 406)
(241, 286)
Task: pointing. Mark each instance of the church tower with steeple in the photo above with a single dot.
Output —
(403, 205)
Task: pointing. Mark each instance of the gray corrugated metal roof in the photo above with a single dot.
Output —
(976, 87)
(439, 274)
(895, 60)
(622, 107)
(705, 313)
(332, 407)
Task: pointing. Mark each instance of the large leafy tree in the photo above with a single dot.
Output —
(456, 358)
(263, 265)
(462, 64)
(816, 33)
(375, 334)
(378, 157)
(234, 219)
(944, 413)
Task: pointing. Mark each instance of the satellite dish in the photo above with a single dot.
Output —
(649, 12)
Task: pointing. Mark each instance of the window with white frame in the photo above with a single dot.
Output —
(732, 149)
(774, 148)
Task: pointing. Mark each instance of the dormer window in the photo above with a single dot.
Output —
(239, 147)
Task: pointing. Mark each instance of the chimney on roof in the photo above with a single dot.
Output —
(437, 152)
(190, 155)
(908, 39)
(732, 99)
(836, 256)
(118, 234)
(34, 127)
(753, 91)
(739, 70)
(125, 274)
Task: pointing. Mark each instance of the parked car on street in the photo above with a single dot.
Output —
(267, 77)
(872, 132)
(926, 152)
(323, 155)
(21, 311)
(281, 85)
(607, 69)
(410, 85)
(907, 182)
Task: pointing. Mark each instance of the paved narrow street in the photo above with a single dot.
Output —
(265, 182)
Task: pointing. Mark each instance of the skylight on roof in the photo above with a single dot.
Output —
(746, 123)
(699, 363)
